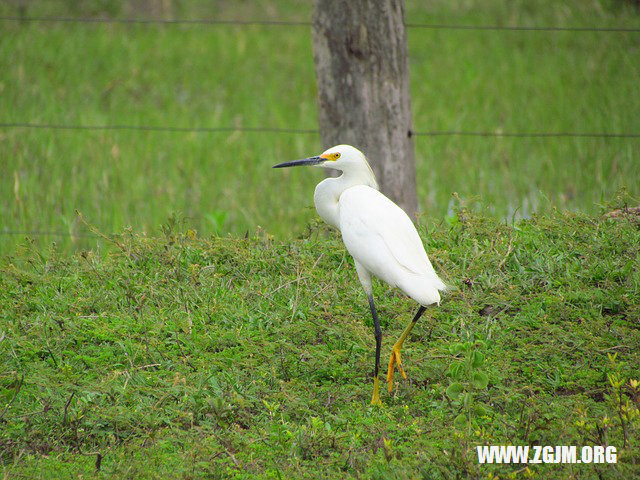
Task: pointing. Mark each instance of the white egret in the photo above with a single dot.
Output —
(379, 236)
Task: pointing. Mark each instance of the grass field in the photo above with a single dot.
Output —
(195, 75)
(183, 357)
(221, 331)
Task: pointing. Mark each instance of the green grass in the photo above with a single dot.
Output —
(189, 357)
(194, 75)
(174, 350)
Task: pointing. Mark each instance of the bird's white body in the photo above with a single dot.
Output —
(380, 237)
(378, 234)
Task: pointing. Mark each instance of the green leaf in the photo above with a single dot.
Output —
(454, 390)
(480, 380)
(454, 370)
(480, 410)
(452, 220)
(456, 348)
(477, 359)
(460, 421)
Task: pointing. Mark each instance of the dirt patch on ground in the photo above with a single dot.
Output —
(625, 212)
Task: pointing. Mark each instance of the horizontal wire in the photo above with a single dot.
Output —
(48, 233)
(523, 28)
(452, 133)
(287, 23)
(433, 133)
(204, 21)
(155, 128)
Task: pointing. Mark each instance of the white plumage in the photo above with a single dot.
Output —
(378, 234)
(384, 242)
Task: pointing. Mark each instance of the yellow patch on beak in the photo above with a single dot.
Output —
(332, 157)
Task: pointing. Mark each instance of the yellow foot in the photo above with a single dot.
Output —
(395, 359)
(375, 400)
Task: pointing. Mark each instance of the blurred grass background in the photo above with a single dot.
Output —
(262, 76)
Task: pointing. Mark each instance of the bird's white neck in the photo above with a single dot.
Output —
(328, 191)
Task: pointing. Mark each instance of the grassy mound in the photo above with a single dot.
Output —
(187, 357)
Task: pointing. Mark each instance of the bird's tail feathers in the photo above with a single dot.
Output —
(440, 285)
(446, 288)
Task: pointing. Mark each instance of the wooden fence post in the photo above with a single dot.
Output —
(362, 70)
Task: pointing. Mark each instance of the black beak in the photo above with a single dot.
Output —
(304, 161)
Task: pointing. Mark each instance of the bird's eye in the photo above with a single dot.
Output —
(336, 155)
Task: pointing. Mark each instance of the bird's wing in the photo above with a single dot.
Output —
(368, 217)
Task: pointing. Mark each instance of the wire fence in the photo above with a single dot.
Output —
(157, 128)
(311, 131)
(46, 233)
(286, 23)
(293, 23)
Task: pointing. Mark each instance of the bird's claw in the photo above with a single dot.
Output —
(394, 360)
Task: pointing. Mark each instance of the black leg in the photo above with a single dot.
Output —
(377, 334)
(418, 314)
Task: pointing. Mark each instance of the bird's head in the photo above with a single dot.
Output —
(344, 158)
